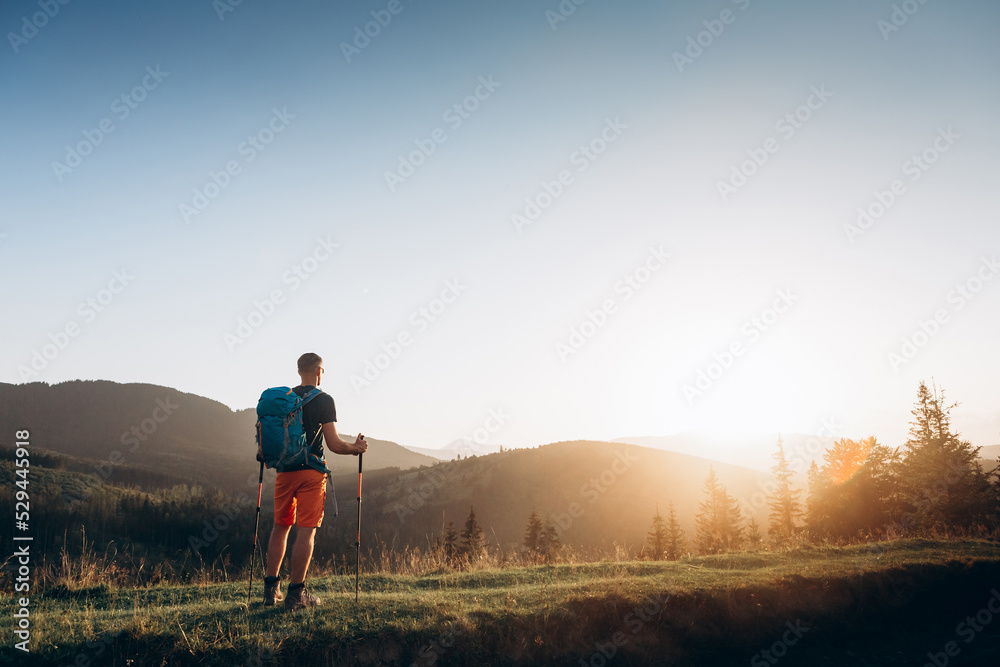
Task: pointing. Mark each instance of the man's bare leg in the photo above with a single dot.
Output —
(302, 552)
(276, 548)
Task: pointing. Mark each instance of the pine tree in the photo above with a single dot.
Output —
(732, 522)
(943, 484)
(860, 483)
(452, 552)
(817, 518)
(707, 519)
(718, 520)
(657, 536)
(878, 489)
(472, 537)
(675, 536)
(549, 544)
(754, 537)
(994, 478)
(784, 502)
(533, 534)
(854, 494)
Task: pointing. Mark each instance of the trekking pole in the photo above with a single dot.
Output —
(357, 544)
(256, 527)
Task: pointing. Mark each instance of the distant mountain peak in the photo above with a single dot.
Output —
(463, 447)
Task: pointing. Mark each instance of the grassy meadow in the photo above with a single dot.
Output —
(872, 604)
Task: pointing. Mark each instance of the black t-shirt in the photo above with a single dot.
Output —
(320, 410)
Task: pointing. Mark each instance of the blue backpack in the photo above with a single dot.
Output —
(281, 439)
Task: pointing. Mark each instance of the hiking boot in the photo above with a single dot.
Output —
(299, 597)
(272, 591)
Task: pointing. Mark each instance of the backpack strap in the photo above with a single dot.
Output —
(311, 395)
(319, 432)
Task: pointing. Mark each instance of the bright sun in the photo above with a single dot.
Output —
(765, 395)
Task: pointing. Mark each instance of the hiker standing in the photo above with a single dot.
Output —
(300, 491)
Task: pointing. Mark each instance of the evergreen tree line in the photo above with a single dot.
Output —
(863, 491)
(541, 542)
(461, 549)
(181, 524)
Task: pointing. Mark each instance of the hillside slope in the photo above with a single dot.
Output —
(595, 493)
(157, 428)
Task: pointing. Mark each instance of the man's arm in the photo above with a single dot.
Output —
(338, 445)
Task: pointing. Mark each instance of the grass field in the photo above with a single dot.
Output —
(886, 604)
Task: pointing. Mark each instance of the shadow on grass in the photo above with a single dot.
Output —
(891, 617)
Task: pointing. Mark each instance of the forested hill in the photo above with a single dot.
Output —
(154, 427)
(595, 493)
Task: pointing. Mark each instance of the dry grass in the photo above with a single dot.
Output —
(715, 608)
(124, 569)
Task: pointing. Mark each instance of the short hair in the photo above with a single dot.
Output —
(309, 362)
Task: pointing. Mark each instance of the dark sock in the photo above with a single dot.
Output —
(271, 580)
(292, 587)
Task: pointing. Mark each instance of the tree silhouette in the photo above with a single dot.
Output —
(718, 520)
(943, 484)
(784, 502)
(754, 537)
(860, 484)
(533, 533)
(817, 517)
(850, 494)
(472, 537)
(657, 536)
(675, 536)
(548, 542)
(450, 544)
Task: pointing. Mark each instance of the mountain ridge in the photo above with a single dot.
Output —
(595, 493)
(156, 427)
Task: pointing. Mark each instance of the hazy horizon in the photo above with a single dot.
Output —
(753, 450)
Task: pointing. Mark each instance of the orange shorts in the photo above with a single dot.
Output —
(301, 490)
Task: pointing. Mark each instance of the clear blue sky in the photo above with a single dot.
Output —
(267, 91)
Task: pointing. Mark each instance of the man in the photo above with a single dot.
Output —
(300, 493)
